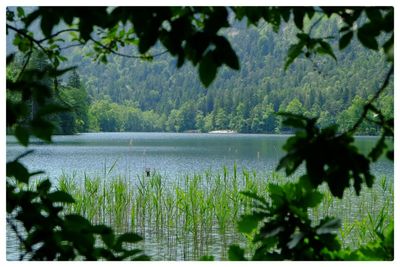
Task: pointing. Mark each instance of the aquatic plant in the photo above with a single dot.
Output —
(197, 214)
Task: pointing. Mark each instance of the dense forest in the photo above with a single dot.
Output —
(135, 95)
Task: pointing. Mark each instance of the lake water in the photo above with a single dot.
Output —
(171, 154)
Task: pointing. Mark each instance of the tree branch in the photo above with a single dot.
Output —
(30, 38)
(368, 105)
(125, 55)
(28, 58)
(57, 33)
(70, 46)
(315, 24)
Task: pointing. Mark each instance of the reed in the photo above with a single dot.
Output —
(197, 214)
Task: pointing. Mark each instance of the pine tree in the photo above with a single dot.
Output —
(74, 80)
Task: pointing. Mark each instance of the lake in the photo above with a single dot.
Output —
(177, 157)
(170, 154)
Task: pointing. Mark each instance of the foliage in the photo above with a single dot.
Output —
(283, 227)
(323, 87)
(188, 216)
(286, 232)
(327, 156)
(280, 229)
(67, 105)
(381, 249)
(49, 233)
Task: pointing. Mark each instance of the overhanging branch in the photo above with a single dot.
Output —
(125, 55)
(368, 105)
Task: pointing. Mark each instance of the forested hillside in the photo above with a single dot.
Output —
(129, 94)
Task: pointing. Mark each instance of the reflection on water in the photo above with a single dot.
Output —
(172, 155)
(168, 153)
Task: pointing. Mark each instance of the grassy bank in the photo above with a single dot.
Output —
(197, 214)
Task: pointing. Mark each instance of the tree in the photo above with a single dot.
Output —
(200, 121)
(238, 122)
(175, 121)
(192, 33)
(295, 107)
(109, 116)
(74, 80)
(221, 120)
(77, 119)
(209, 122)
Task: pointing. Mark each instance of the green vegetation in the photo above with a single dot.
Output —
(132, 95)
(198, 214)
(195, 34)
(35, 212)
(284, 230)
(71, 97)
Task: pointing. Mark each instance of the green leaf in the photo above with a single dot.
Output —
(44, 186)
(228, 55)
(325, 48)
(235, 253)
(17, 170)
(312, 199)
(295, 240)
(10, 58)
(285, 14)
(106, 233)
(310, 12)
(22, 134)
(76, 222)
(294, 51)
(48, 22)
(388, 47)
(254, 196)
(20, 12)
(345, 40)
(59, 72)
(248, 223)
(180, 61)
(85, 28)
(366, 38)
(60, 196)
(378, 149)
(102, 253)
(22, 43)
(231, 59)
(42, 129)
(10, 15)
(207, 69)
(329, 225)
(128, 238)
(298, 13)
(374, 14)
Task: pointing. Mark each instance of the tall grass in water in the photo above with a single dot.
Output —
(197, 214)
(363, 216)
